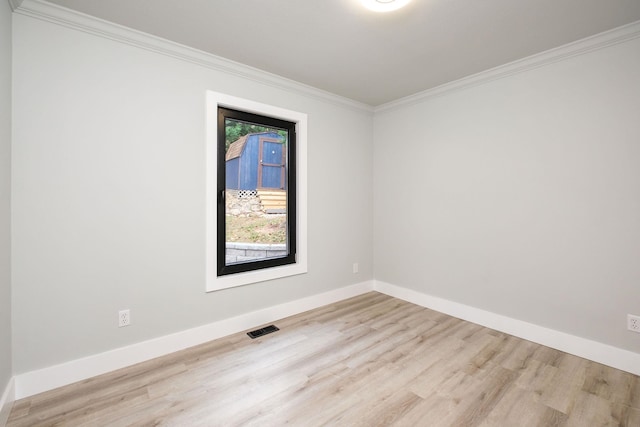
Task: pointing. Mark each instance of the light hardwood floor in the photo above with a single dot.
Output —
(371, 360)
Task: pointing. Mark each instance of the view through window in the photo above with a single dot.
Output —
(256, 187)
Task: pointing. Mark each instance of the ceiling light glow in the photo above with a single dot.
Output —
(384, 5)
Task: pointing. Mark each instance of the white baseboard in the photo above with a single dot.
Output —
(41, 380)
(6, 402)
(592, 350)
(30, 383)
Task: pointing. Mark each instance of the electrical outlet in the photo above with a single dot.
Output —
(355, 268)
(633, 323)
(124, 318)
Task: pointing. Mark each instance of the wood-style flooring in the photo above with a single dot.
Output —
(371, 360)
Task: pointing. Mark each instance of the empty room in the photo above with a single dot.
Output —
(336, 212)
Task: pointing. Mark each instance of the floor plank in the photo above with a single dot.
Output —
(372, 360)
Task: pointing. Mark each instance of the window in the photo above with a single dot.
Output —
(256, 218)
(256, 192)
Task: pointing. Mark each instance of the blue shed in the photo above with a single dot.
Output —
(256, 161)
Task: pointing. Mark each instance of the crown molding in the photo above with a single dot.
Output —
(15, 4)
(69, 18)
(82, 22)
(580, 47)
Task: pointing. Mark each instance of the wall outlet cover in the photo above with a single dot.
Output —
(633, 323)
(124, 318)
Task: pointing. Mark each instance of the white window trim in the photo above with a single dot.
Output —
(213, 281)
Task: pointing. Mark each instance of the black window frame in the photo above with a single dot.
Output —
(290, 177)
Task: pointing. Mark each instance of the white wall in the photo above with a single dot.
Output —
(5, 195)
(109, 195)
(520, 196)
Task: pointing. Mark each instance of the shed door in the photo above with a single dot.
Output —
(271, 170)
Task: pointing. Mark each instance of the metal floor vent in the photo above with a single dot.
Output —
(262, 331)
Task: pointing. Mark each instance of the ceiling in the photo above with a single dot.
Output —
(374, 58)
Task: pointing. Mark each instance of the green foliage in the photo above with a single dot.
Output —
(235, 129)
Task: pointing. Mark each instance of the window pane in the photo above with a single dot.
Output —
(258, 225)
(256, 187)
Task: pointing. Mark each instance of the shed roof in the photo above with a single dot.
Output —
(236, 148)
